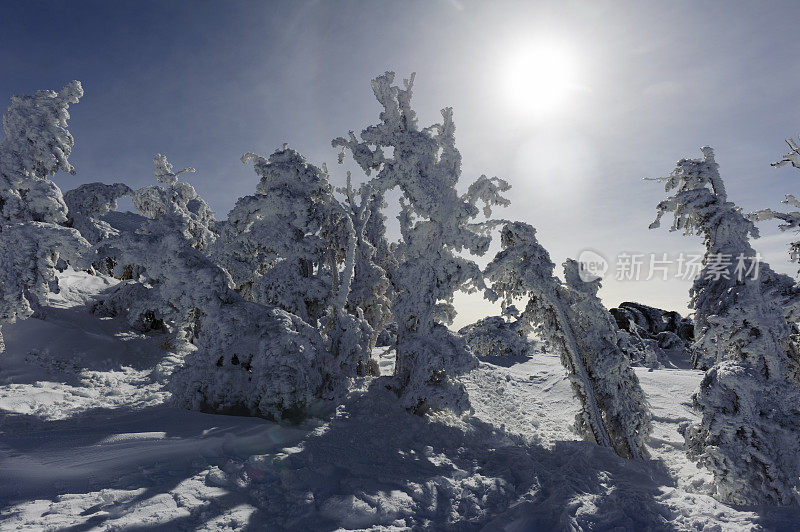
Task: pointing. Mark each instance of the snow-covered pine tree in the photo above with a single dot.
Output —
(273, 242)
(283, 246)
(435, 222)
(614, 411)
(37, 144)
(243, 256)
(700, 206)
(175, 205)
(177, 197)
(749, 434)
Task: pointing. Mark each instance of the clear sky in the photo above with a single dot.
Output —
(572, 102)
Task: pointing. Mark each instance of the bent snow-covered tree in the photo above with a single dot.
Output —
(749, 434)
(614, 411)
(36, 146)
(88, 204)
(435, 222)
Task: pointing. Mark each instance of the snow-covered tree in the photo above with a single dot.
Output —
(146, 294)
(247, 358)
(273, 242)
(283, 246)
(435, 222)
(37, 144)
(573, 320)
(89, 203)
(95, 200)
(243, 256)
(749, 434)
(256, 360)
(505, 335)
(180, 198)
(30, 253)
(700, 206)
(368, 292)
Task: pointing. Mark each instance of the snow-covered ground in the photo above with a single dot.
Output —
(88, 441)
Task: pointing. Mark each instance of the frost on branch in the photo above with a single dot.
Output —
(791, 157)
(370, 289)
(37, 144)
(571, 318)
(349, 336)
(749, 434)
(177, 198)
(791, 220)
(435, 222)
(29, 254)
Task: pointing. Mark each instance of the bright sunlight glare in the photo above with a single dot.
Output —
(540, 78)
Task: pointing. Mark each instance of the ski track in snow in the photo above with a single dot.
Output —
(88, 441)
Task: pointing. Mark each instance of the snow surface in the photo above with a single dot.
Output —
(89, 441)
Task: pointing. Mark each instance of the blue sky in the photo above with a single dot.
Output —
(650, 82)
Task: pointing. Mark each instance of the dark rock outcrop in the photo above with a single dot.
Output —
(651, 336)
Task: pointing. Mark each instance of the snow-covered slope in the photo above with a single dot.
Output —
(88, 440)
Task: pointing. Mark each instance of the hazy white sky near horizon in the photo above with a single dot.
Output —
(648, 83)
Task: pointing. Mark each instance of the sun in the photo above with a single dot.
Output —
(540, 78)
